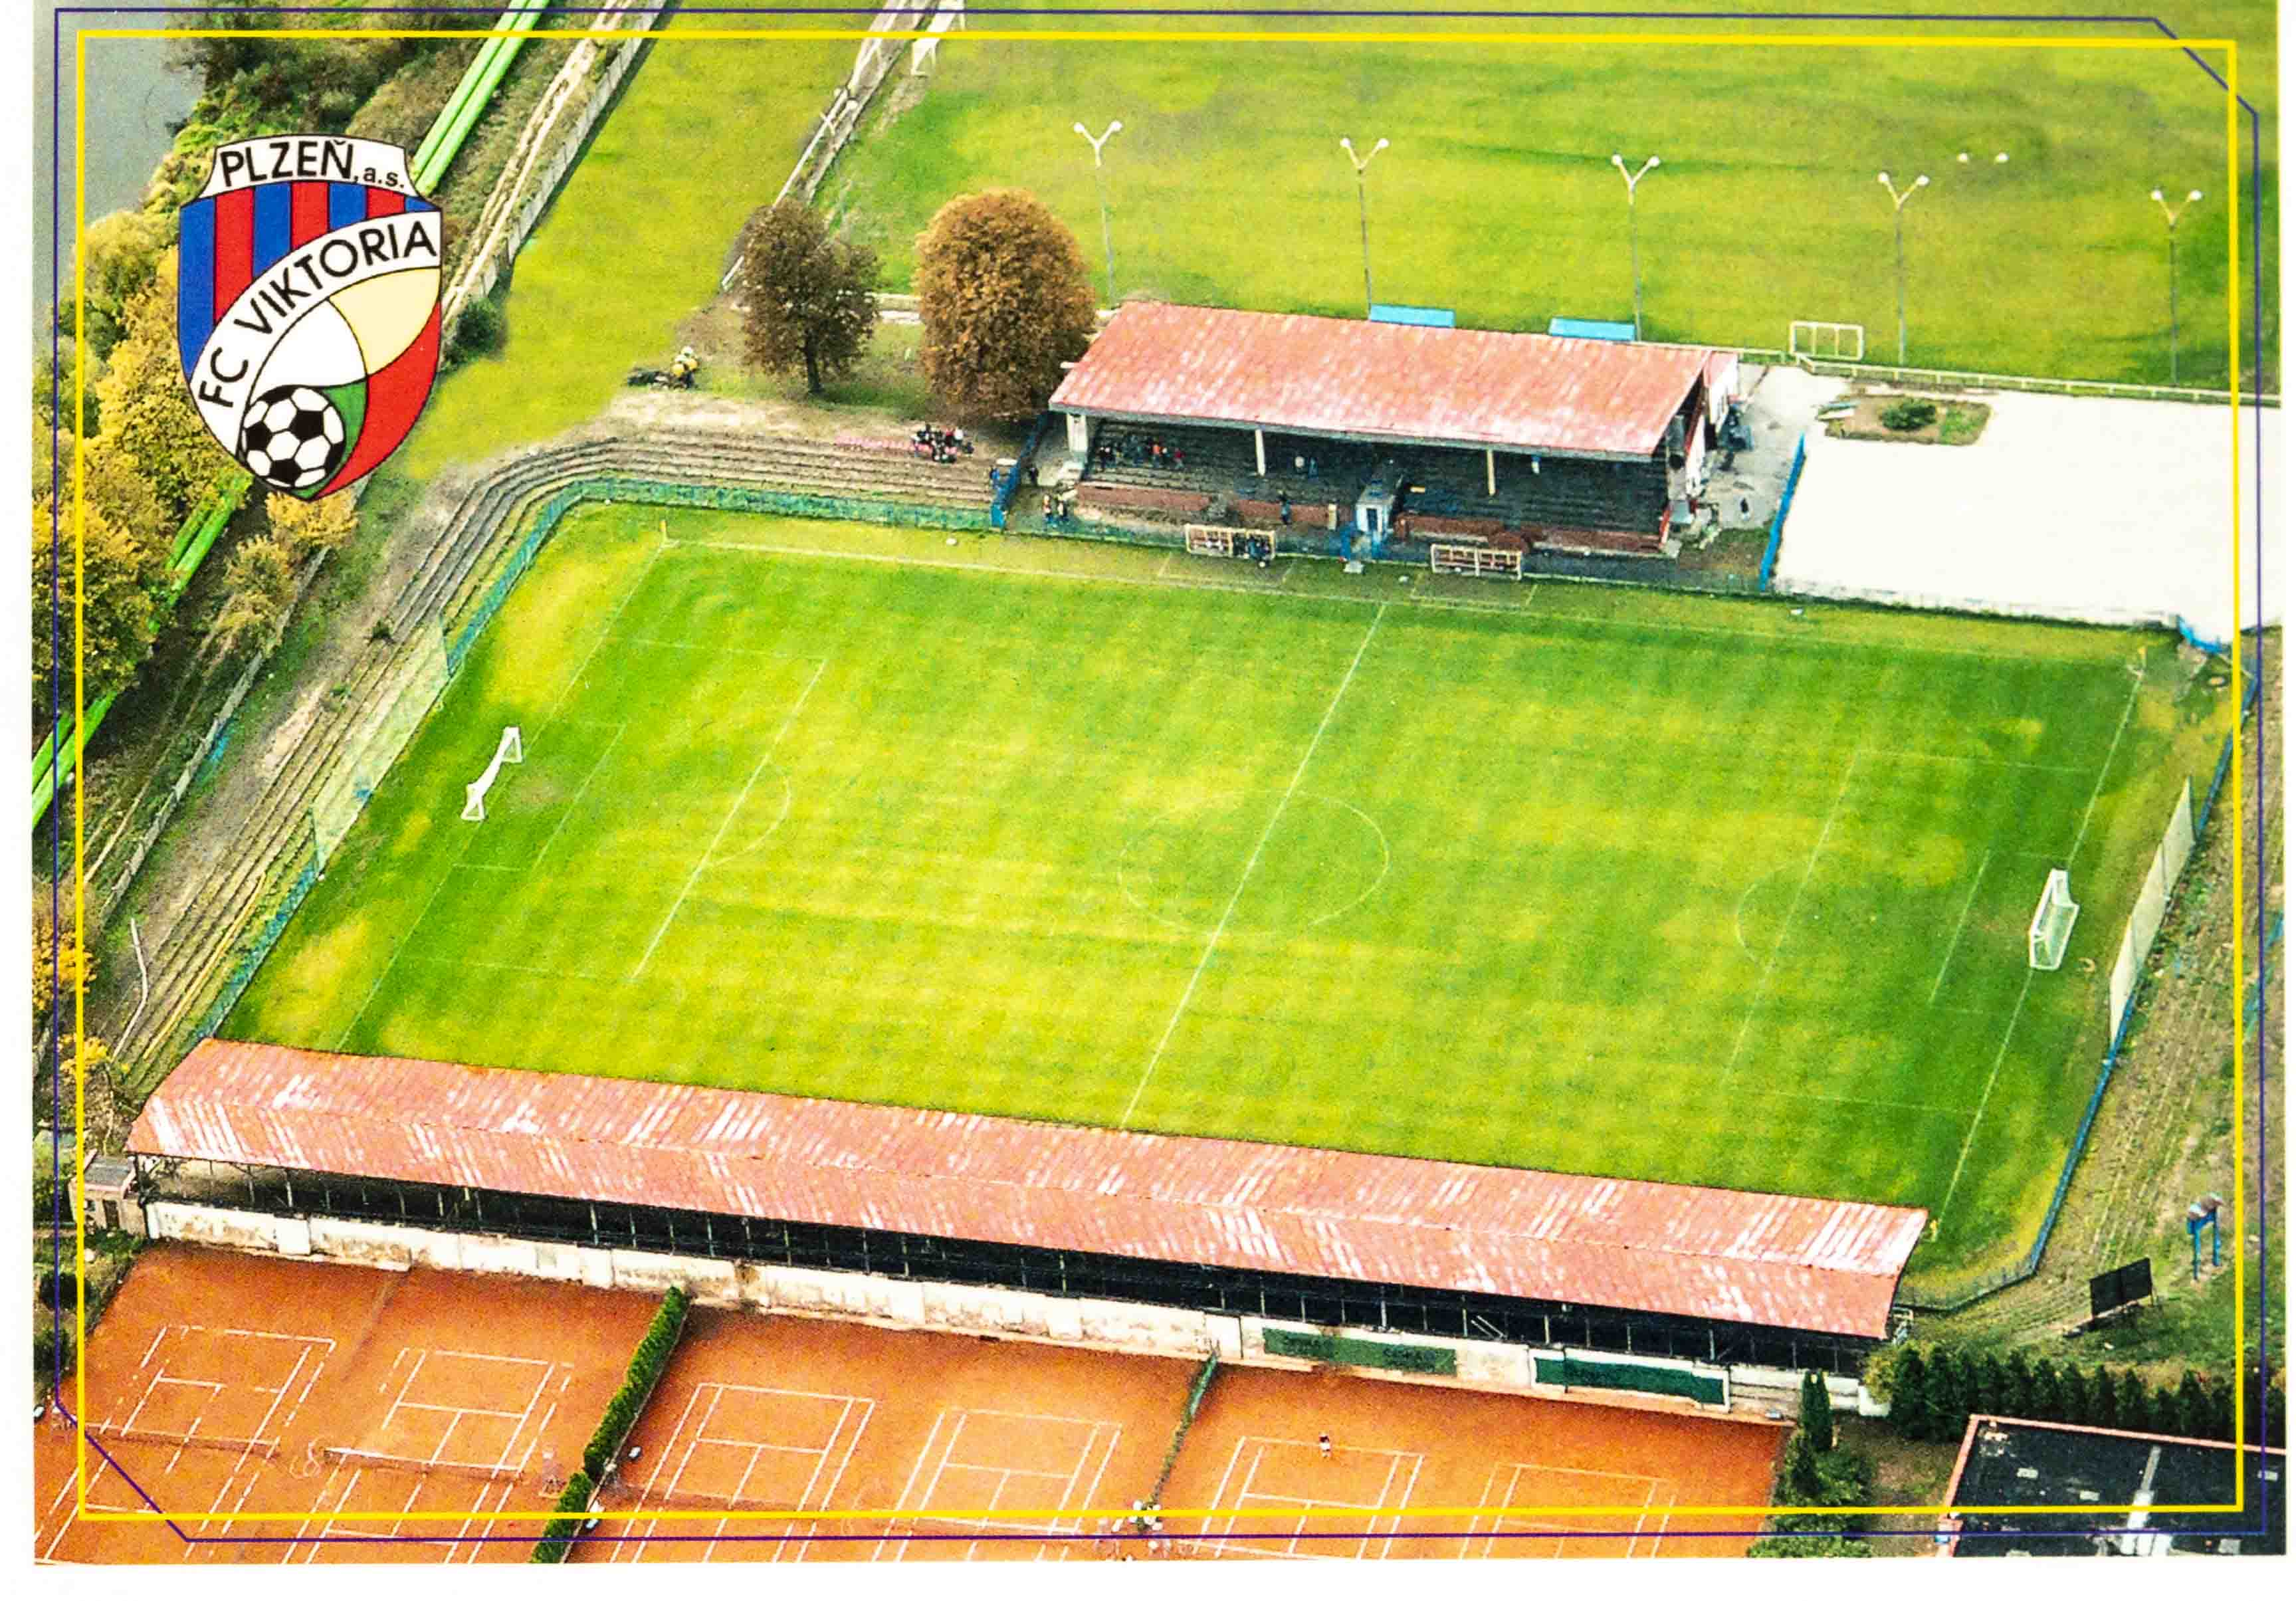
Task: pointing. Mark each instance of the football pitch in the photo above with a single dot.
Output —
(1602, 881)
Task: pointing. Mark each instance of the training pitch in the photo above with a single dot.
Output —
(1603, 881)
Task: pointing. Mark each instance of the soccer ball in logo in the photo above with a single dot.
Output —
(293, 439)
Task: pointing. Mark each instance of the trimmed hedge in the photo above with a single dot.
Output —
(573, 1510)
(646, 1363)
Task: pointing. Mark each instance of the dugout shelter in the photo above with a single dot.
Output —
(1329, 1239)
(1356, 434)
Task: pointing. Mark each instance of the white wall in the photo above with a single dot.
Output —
(912, 1304)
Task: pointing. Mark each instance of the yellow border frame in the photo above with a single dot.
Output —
(2231, 48)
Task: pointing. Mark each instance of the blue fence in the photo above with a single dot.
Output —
(1001, 507)
(243, 971)
(2030, 1263)
(1785, 504)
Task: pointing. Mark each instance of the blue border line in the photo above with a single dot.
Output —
(56, 595)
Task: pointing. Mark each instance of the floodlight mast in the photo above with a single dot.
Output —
(1100, 178)
(1898, 202)
(2173, 213)
(1633, 241)
(1363, 207)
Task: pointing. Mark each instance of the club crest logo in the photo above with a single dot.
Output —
(307, 306)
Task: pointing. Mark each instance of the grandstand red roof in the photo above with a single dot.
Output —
(1777, 1260)
(1383, 381)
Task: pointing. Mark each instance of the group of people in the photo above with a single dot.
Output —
(1059, 511)
(940, 444)
(1151, 452)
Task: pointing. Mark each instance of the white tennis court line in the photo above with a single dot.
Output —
(1244, 878)
(1100, 1440)
(1497, 1526)
(814, 1496)
(1386, 1507)
(732, 812)
(1977, 1118)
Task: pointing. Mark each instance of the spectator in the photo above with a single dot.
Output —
(1311, 467)
(1032, 475)
(1298, 465)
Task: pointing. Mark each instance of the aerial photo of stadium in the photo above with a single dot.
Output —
(1063, 785)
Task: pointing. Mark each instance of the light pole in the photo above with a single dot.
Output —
(1633, 242)
(1898, 201)
(1100, 176)
(1363, 209)
(2172, 213)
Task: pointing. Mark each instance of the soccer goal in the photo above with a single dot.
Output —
(1475, 560)
(2053, 922)
(1827, 342)
(510, 748)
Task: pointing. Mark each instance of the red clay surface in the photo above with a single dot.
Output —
(221, 1384)
(1256, 1448)
(228, 1385)
(761, 1413)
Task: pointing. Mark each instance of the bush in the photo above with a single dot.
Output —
(1904, 416)
(646, 1364)
(479, 330)
(573, 1510)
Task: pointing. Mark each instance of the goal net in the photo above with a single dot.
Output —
(2053, 922)
(1827, 342)
(474, 794)
(1475, 560)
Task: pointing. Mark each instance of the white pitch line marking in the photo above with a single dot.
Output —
(732, 812)
(1785, 932)
(1957, 928)
(1244, 878)
(2009, 1033)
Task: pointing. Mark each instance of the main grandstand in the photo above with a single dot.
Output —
(1676, 1286)
(1353, 433)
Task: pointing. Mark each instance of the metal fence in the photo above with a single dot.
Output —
(1970, 1291)
(1785, 504)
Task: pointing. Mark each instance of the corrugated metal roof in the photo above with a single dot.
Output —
(1315, 375)
(1778, 1260)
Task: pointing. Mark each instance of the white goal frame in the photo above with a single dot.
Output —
(1475, 561)
(2051, 928)
(510, 748)
(1841, 341)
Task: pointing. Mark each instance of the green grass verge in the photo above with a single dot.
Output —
(1497, 197)
(1591, 879)
(706, 131)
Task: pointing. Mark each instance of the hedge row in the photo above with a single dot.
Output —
(646, 1363)
(573, 1510)
(1933, 1391)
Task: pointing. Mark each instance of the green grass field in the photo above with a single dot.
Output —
(1498, 198)
(1600, 879)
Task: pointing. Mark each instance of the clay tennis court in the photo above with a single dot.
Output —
(761, 1413)
(221, 1384)
(1254, 1453)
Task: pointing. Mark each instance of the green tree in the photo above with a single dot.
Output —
(810, 299)
(1911, 1412)
(148, 415)
(2188, 1408)
(1949, 1395)
(112, 580)
(305, 527)
(2135, 1405)
(2016, 1385)
(1816, 1413)
(1986, 1382)
(58, 964)
(259, 584)
(1005, 298)
(1798, 1484)
(119, 257)
(2049, 1392)
(1808, 1545)
(2105, 1399)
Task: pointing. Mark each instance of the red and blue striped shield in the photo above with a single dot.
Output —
(307, 306)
